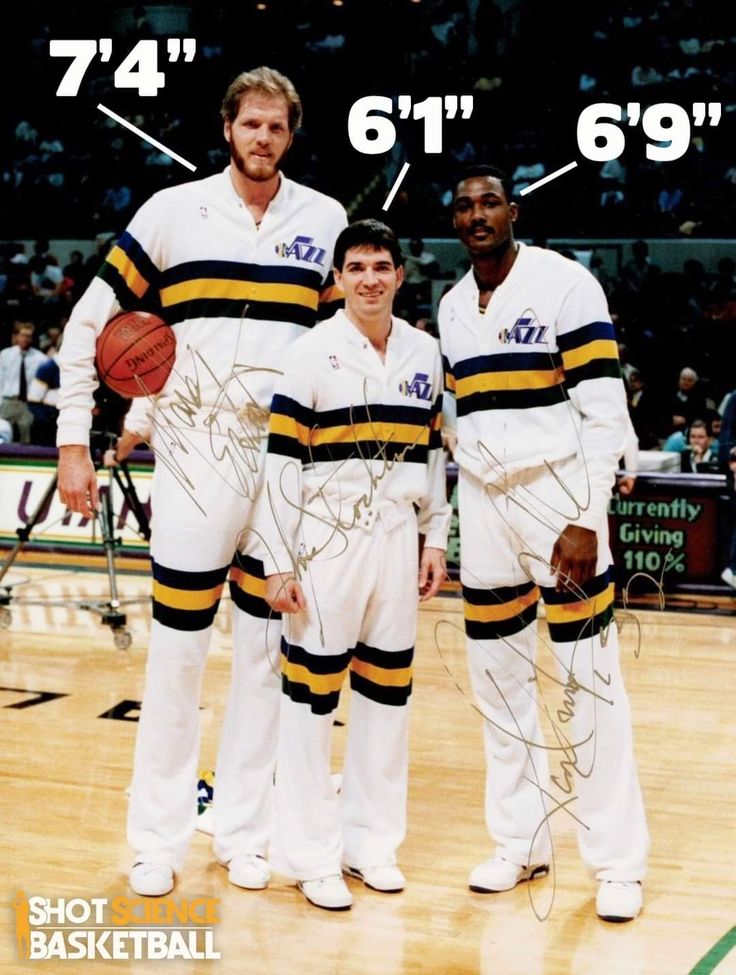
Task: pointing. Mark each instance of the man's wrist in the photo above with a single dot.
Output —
(78, 450)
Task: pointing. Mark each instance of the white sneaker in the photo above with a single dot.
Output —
(618, 900)
(249, 870)
(328, 892)
(387, 880)
(728, 577)
(151, 879)
(498, 874)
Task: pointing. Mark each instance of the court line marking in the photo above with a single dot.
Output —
(717, 953)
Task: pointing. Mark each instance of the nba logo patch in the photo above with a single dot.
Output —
(333, 362)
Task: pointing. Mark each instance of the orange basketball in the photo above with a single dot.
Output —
(135, 353)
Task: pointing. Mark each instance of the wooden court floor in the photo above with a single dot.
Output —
(67, 763)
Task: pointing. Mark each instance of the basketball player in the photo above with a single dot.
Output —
(539, 411)
(238, 263)
(354, 444)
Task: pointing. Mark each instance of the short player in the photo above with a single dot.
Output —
(538, 407)
(354, 446)
(239, 264)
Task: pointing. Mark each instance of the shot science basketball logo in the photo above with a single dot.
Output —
(116, 928)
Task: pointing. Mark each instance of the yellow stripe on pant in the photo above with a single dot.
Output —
(572, 618)
(492, 614)
(383, 676)
(186, 600)
(311, 678)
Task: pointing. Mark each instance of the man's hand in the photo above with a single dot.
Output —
(77, 480)
(625, 484)
(284, 594)
(117, 454)
(574, 557)
(432, 572)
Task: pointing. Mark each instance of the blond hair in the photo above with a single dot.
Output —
(267, 81)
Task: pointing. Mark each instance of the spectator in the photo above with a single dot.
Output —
(420, 265)
(116, 203)
(644, 75)
(699, 457)
(525, 174)
(46, 278)
(18, 365)
(613, 178)
(638, 274)
(644, 411)
(689, 402)
(50, 340)
(77, 274)
(720, 304)
(599, 272)
(729, 573)
(727, 436)
(670, 200)
(43, 395)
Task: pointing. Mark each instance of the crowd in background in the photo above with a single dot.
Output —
(70, 171)
(676, 331)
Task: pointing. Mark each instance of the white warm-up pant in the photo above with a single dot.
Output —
(507, 535)
(361, 618)
(192, 551)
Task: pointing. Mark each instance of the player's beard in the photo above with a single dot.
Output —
(256, 173)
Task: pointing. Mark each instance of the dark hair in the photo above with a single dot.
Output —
(483, 169)
(367, 233)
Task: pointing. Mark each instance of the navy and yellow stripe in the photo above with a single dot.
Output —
(366, 432)
(289, 429)
(382, 676)
(130, 272)
(331, 298)
(248, 586)
(491, 614)
(449, 375)
(313, 679)
(229, 289)
(435, 424)
(571, 618)
(590, 352)
(508, 381)
(186, 600)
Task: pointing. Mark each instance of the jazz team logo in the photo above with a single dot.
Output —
(303, 249)
(524, 331)
(419, 386)
(116, 928)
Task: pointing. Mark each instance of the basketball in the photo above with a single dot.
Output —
(135, 353)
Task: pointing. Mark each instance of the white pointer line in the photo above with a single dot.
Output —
(159, 145)
(546, 179)
(395, 187)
